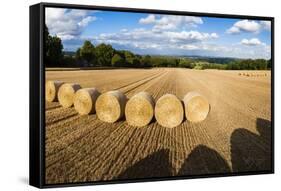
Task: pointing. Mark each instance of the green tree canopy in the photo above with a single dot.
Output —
(269, 63)
(136, 62)
(53, 49)
(104, 54)
(117, 61)
(186, 63)
(146, 61)
(78, 54)
(87, 52)
(129, 57)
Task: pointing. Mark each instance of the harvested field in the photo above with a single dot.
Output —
(235, 136)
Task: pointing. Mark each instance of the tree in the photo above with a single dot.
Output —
(261, 64)
(104, 54)
(186, 63)
(136, 62)
(53, 49)
(78, 54)
(117, 61)
(87, 52)
(129, 57)
(146, 61)
(46, 33)
(269, 64)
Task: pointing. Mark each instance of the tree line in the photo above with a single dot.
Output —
(238, 64)
(104, 55)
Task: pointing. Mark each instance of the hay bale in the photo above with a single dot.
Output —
(169, 111)
(139, 110)
(110, 106)
(196, 107)
(51, 90)
(85, 100)
(66, 94)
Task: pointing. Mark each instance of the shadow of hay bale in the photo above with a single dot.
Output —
(249, 151)
(152, 166)
(204, 160)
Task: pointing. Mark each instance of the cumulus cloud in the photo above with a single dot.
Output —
(67, 24)
(144, 38)
(249, 26)
(207, 47)
(266, 25)
(244, 26)
(192, 42)
(85, 21)
(189, 36)
(166, 35)
(170, 22)
(251, 42)
(150, 19)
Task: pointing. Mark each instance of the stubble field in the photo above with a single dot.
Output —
(235, 137)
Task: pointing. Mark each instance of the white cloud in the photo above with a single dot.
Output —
(145, 38)
(233, 30)
(144, 41)
(124, 30)
(67, 24)
(266, 25)
(170, 22)
(204, 47)
(167, 35)
(150, 19)
(85, 21)
(189, 36)
(244, 26)
(235, 50)
(251, 42)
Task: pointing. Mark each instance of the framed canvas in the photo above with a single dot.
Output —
(121, 95)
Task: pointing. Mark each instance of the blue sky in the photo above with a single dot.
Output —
(161, 34)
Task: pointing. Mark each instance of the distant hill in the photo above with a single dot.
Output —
(69, 53)
(217, 60)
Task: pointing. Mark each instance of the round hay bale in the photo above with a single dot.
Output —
(139, 110)
(66, 94)
(110, 106)
(51, 90)
(196, 107)
(169, 111)
(85, 100)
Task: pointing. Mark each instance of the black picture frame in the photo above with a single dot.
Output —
(37, 94)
